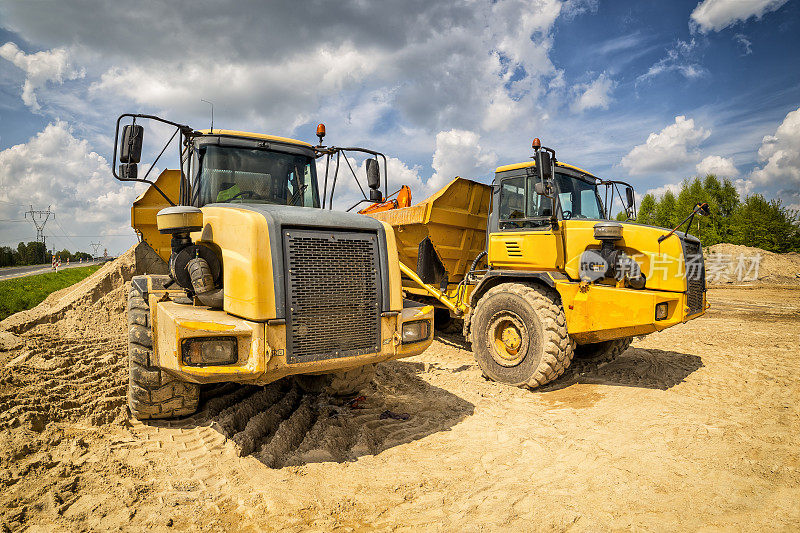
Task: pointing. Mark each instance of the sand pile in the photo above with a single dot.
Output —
(66, 359)
(735, 264)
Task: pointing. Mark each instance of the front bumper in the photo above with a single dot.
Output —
(262, 345)
(597, 313)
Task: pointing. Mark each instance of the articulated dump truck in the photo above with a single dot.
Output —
(538, 270)
(255, 278)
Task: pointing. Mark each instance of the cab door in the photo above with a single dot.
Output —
(521, 236)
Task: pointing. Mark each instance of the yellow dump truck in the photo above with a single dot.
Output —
(258, 278)
(538, 270)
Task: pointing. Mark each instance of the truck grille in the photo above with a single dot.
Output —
(333, 294)
(695, 276)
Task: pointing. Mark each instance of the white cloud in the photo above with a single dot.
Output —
(669, 149)
(40, 68)
(596, 94)
(680, 58)
(743, 187)
(716, 15)
(55, 168)
(745, 43)
(459, 153)
(453, 71)
(780, 154)
(658, 192)
(719, 166)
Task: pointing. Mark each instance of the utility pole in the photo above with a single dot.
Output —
(44, 216)
(96, 247)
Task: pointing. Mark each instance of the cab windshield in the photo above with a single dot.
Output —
(522, 207)
(254, 176)
(578, 198)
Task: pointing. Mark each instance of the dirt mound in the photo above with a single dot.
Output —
(65, 359)
(77, 303)
(734, 263)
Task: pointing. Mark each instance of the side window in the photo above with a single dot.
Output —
(566, 201)
(512, 198)
(590, 205)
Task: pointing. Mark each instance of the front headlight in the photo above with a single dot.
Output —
(416, 331)
(207, 351)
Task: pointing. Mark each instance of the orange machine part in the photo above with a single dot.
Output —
(403, 200)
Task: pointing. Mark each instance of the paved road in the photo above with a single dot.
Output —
(21, 271)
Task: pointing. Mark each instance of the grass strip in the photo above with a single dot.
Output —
(19, 294)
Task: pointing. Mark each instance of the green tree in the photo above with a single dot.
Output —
(765, 224)
(647, 210)
(31, 253)
(6, 256)
(666, 211)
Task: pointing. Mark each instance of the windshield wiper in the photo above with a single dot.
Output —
(298, 194)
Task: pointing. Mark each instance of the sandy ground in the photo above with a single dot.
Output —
(697, 427)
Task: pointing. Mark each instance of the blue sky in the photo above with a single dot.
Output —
(651, 92)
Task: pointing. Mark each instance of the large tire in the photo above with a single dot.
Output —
(601, 352)
(345, 383)
(519, 335)
(152, 392)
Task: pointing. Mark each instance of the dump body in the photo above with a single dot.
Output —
(454, 219)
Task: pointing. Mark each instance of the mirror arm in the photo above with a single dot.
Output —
(358, 203)
(153, 164)
(385, 176)
(690, 218)
(325, 187)
(184, 129)
(353, 172)
(333, 182)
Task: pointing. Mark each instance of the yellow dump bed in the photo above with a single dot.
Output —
(454, 218)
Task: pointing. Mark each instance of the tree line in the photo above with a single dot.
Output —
(752, 221)
(35, 253)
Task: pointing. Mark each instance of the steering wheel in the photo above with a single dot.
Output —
(566, 214)
(249, 195)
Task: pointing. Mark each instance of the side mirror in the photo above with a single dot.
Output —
(703, 209)
(629, 196)
(128, 171)
(375, 195)
(545, 165)
(373, 175)
(130, 150)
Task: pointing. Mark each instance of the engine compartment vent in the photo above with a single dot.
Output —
(513, 249)
(333, 294)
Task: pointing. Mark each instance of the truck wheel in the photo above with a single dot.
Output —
(601, 352)
(442, 321)
(152, 392)
(519, 335)
(345, 383)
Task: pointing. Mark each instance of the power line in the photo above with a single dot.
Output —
(65, 235)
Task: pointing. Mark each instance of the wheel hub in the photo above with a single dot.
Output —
(508, 339)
